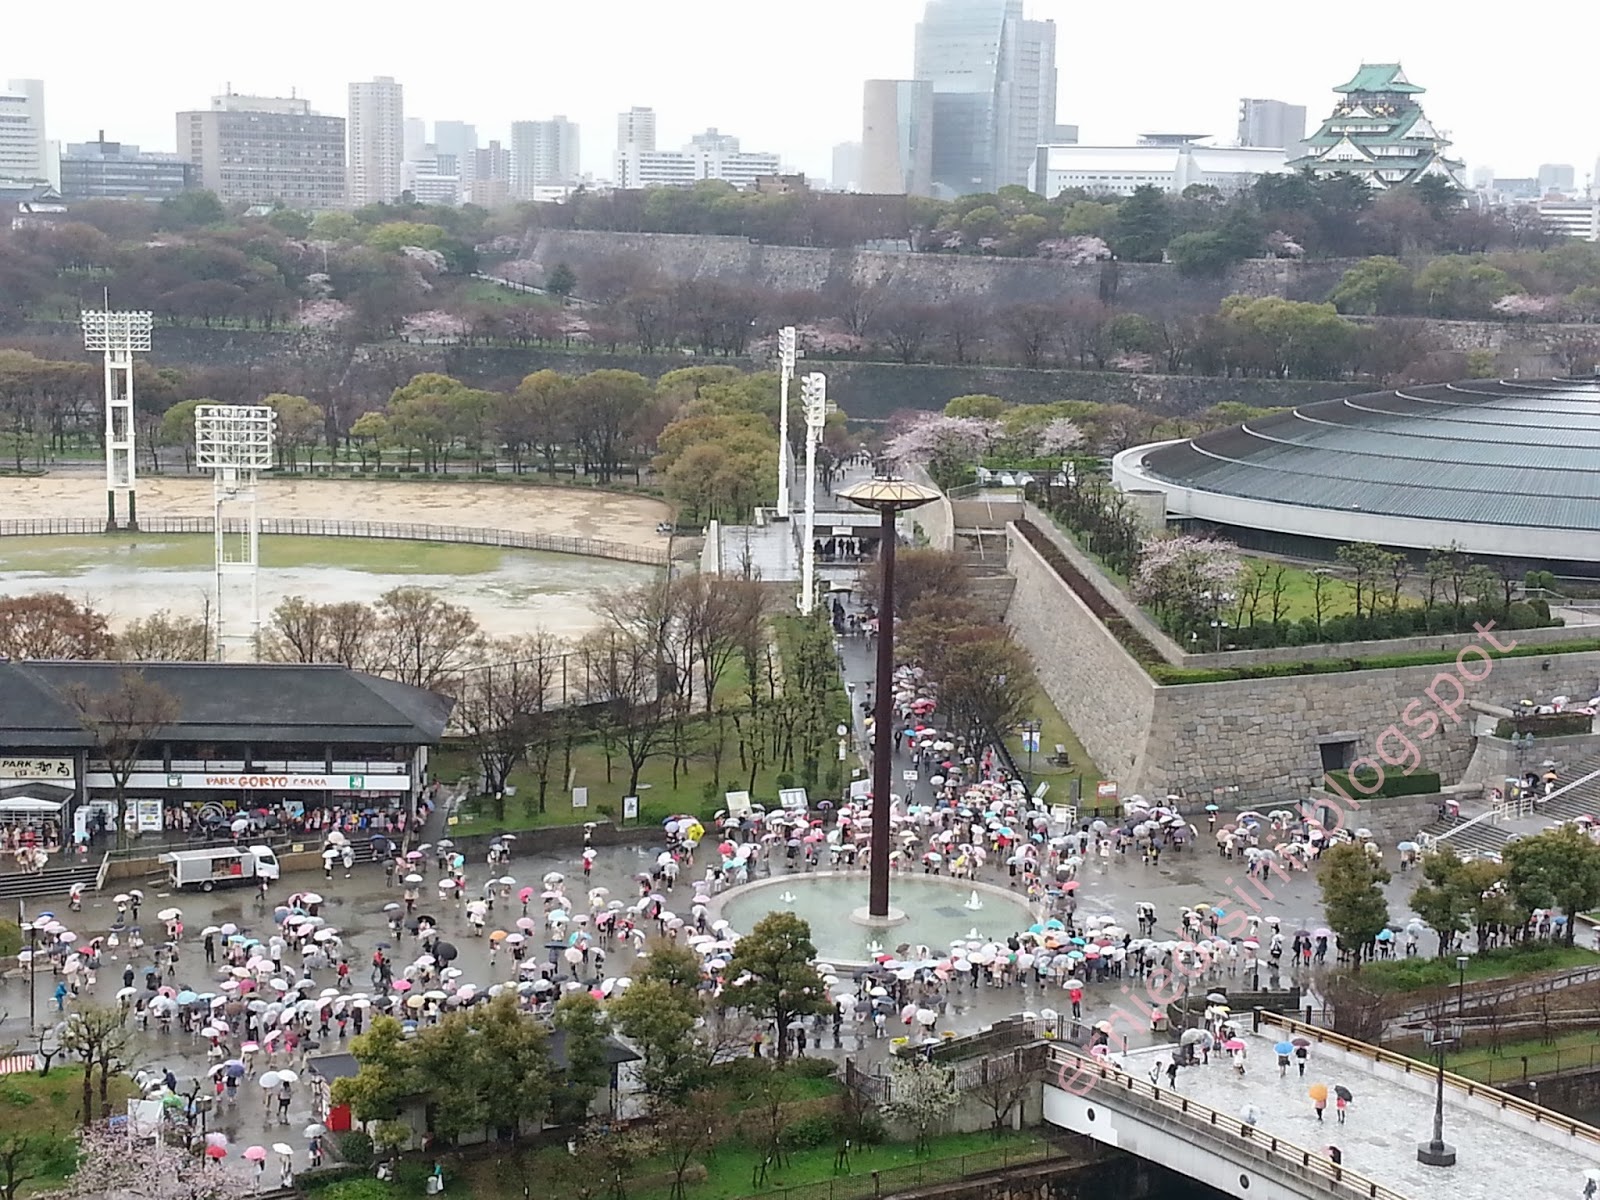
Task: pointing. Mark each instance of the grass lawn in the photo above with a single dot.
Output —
(1300, 593)
(481, 291)
(1566, 1052)
(47, 1108)
(1416, 974)
(69, 556)
(1053, 730)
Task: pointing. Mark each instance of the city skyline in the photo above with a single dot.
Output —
(1261, 50)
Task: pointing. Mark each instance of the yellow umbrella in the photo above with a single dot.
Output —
(1318, 1092)
(498, 935)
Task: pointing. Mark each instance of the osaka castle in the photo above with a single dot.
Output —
(1379, 132)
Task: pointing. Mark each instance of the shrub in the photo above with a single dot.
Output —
(810, 1131)
(1418, 783)
(355, 1148)
(10, 938)
(367, 1188)
(814, 1068)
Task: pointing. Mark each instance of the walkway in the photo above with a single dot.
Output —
(1501, 1152)
(1481, 833)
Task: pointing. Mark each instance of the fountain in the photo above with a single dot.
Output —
(973, 935)
(787, 897)
(974, 902)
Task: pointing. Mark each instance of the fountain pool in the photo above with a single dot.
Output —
(938, 912)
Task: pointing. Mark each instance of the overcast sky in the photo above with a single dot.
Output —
(787, 77)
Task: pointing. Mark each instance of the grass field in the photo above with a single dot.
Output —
(47, 1111)
(1526, 1058)
(1415, 974)
(481, 291)
(74, 555)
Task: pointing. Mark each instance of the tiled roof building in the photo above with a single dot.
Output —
(1379, 132)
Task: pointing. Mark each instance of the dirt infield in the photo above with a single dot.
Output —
(564, 512)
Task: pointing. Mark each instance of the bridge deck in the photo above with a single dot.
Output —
(1499, 1153)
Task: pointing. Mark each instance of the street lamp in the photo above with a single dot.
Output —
(1030, 742)
(31, 928)
(1436, 1153)
(1461, 985)
(888, 497)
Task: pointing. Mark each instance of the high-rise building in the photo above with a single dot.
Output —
(459, 139)
(846, 175)
(415, 138)
(636, 129)
(1557, 177)
(897, 137)
(491, 177)
(709, 155)
(103, 170)
(543, 154)
(1272, 123)
(993, 75)
(1379, 133)
(377, 141)
(24, 153)
(263, 149)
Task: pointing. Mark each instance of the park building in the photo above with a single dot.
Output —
(278, 738)
(1168, 162)
(264, 149)
(1378, 132)
(102, 170)
(1506, 470)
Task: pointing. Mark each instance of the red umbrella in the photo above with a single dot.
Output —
(216, 1152)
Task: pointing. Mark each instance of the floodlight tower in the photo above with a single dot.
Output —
(814, 399)
(235, 443)
(118, 336)
(786, 357)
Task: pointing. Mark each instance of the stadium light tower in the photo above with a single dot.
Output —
(786, 358)
(814, 400)
(118, 336)
(235, 443)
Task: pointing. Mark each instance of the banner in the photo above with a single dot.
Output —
(266, 782)
(37, 769)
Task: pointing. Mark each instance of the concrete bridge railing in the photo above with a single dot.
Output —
(1223, 1151)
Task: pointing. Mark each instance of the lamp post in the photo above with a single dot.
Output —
(888, 496)
(32, 931)
(1461, 986)
(1030, 742)
(814, 398)
(1436, 1153)
(786, 360)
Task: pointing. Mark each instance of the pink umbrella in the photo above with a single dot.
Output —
(402, 985)
(255, 1153)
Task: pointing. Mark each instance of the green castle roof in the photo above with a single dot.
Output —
(1380, 77)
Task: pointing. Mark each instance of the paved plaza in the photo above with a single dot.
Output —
(1497, 1157)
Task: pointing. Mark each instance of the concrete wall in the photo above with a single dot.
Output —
(1105, 696)
(935, 519)
(1432, 643)
(1495, 758)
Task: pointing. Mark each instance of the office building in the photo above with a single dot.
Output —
(1558, 177)
(1170, 163)
(415, 138)
(377, 141)
(897, 137)
(265, 149)
(846, 174)
(1272, 123)
(491, 177)
(24, 153)
(433, 178)
(1379, 133)
(1578, 219)
(636, 129)
(459, 140)
(709, 155)
(544, 154)
(993, 75)
(102, 170)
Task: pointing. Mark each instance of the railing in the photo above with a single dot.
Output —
(1470, 1087)
(100, 875)
(1541, 803)
(936, 1171)
(1519, 1068)
(471, 535)
(1174, 1112)
(1489, 992)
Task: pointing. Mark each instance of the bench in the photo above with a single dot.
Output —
(1060, 757)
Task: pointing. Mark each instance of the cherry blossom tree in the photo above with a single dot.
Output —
(1074, 251)
(945, 445)
(434, 325)
(116, 1166)
(1060, 436)
(1187, 580)
(1519, 305)
(325, 315)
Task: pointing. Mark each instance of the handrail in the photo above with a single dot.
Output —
(1470, 1087)
(100, 875)
(1249, 1136)
(376, 530)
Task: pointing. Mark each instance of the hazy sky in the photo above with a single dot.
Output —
(787, 77)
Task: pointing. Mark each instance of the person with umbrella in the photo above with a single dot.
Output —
(1302, 1050)
(1319, 1097)
(1342, 1097)
(1284, 1050)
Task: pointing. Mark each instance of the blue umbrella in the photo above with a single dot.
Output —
(1213, 808)
(1283, 1048)
(234, 1068)
(1386, 935)
(186, 997)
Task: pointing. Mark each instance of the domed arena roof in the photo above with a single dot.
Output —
(1508, 468)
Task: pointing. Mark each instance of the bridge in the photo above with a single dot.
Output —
(1505, 1147)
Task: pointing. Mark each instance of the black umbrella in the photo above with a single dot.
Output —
(445, 951)
(1343, 1093)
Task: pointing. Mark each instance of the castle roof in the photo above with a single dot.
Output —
(1379, 77)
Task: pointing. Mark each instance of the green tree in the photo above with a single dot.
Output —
(177, 428)
(290, 222)
(1198, 254)
(1143, 225)
(1459, 286)
(561, 281)
(511, 1062)
(1352, 897)
(584, 1029)
(299, 428)
(392, 235)
(1559, 868)
(378, 1091)
(334, 227)
(607, 407)
(372, 434)
(423, 417)
(773, 974)
(664, 1015)
(189, 210)
(1441, 898)
(1374, 287)
(978, 405)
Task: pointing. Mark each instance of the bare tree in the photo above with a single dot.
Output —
(1003, 1085)
(165, 636)
(629, 682)
(122, 722)
(682, 1131)
(102, 1039)
(499, 703)
(52, 625)
(718, 616)
(426, 640)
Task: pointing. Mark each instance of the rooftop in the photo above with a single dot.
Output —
(1380, 77)
(227, 702)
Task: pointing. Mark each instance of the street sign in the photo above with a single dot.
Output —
(580, 797)
(630, 808)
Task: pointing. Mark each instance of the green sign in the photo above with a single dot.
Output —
(358, 783)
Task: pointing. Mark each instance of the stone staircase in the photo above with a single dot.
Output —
(984, 555)
(1483, 835)
(53, 883)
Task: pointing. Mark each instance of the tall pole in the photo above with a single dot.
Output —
(1436, 1153)
(118, 336)
(883, 734)
(786, 360)
(814, 398)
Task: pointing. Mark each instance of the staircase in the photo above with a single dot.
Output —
(53, 883)
(1483, 835)
(983, 552)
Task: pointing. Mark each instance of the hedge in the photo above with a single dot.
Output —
(1168, 674)
(1418, 783)
(1546, 725)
